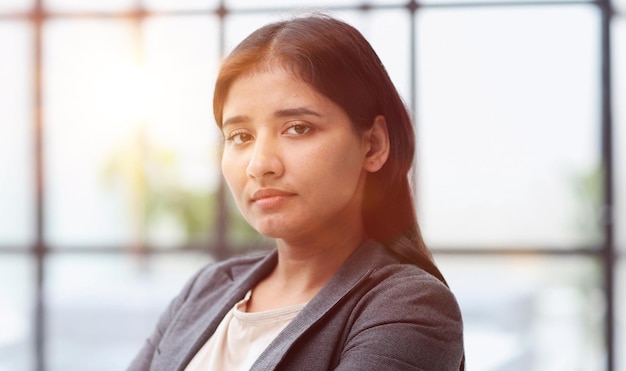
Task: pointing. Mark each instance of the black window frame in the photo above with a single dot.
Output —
(219, 248)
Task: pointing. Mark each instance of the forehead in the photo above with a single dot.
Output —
(270, 88)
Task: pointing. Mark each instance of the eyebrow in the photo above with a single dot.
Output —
(300, 111)
(235, 120)
(288, 112)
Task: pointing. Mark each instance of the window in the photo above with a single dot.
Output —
(112, 196)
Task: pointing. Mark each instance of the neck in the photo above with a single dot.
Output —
(302, 271)
(313, 263)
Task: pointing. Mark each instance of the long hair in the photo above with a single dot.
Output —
(337, 61)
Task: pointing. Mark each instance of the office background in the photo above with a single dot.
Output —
(110, 193)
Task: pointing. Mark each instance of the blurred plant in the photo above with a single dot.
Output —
(149, 175)
(587, 188)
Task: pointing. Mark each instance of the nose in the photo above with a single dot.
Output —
(265, 160)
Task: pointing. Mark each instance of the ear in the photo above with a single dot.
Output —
(377, 144)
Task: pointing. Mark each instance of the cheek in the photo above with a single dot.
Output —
(338, 165)
(233, 172)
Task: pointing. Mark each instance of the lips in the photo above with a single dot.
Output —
(268, 197)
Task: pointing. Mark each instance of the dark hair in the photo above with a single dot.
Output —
(337, 61)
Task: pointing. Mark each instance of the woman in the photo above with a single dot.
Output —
(317, 148)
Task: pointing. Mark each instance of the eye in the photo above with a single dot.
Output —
(239, 137)
(298, 129)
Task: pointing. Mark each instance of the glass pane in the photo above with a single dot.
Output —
(619, 127)
(184, 176)
(17, 284)
(180, 4)
(508, 127)
(89, 6)
(138, 138)
(386, 30)
(619, 7)
(16, 145)
(529, 313)
(16, 5)
(107, 314)
(92, 94)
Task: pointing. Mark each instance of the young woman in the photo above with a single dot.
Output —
(317, 148)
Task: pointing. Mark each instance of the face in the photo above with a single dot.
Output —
(292, 159)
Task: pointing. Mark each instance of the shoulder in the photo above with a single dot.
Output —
(388, 278)
(407, 278)
(411, 288)
(406, 315)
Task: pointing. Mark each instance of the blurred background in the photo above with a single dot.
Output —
(111, 197)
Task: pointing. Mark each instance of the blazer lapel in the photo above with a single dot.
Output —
(222, 294)
(354, 271)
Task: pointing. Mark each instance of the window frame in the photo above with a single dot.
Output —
(219, 248)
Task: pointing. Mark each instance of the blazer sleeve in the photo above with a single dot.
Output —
(406, 323)
(144, 358)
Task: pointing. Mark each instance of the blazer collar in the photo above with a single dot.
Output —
(210, 310)
(240, 278)
(365, 260)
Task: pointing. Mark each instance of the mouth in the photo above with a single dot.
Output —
(269, 198)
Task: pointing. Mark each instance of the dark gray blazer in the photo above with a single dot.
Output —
(374, 314)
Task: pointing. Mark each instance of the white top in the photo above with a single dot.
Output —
(241, 337)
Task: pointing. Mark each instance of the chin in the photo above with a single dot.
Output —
(269, 230)
(274, 231)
